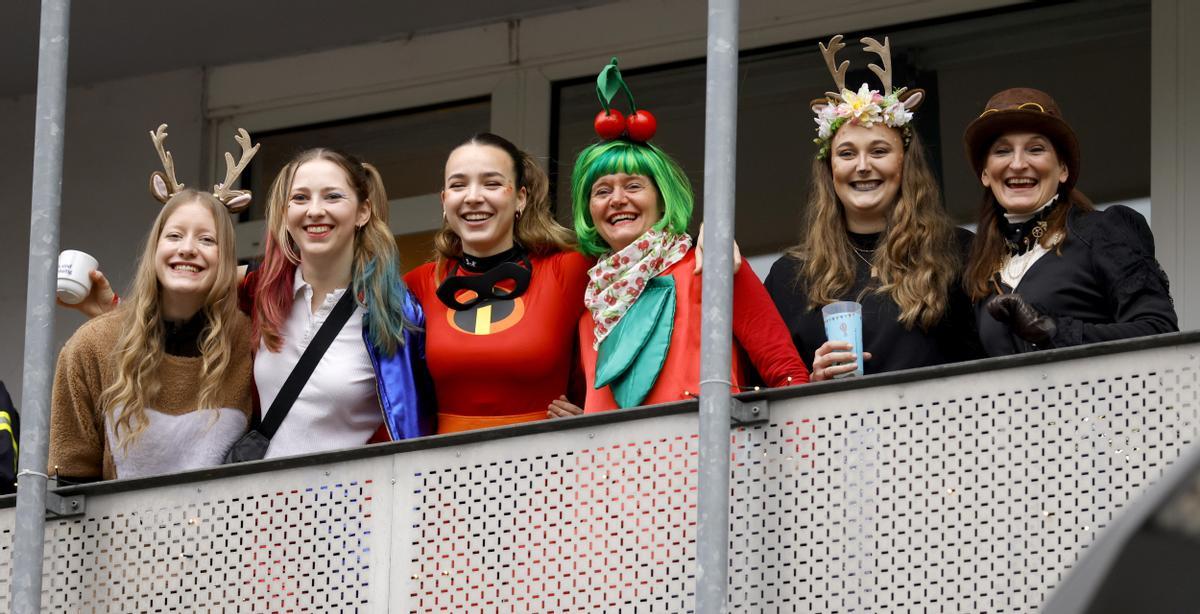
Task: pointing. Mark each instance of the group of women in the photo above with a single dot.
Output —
(519, 319)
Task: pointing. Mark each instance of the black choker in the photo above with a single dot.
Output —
(483, 264)
(462, 292)
(1021, 237)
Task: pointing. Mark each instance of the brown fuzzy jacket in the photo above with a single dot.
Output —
(179, 436)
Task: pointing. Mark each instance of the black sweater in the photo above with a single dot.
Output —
(893, 347)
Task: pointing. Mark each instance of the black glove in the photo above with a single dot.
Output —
(1022, 319)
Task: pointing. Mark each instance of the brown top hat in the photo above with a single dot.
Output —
(1022, 109)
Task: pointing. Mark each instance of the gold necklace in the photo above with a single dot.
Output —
(859, 253)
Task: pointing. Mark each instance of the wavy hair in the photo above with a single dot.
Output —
(536, 229)
(375, 269)
(623, 156)
(917, 261)
(139, 348)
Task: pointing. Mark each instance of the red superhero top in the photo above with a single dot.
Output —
(758, 331)
(503, 361)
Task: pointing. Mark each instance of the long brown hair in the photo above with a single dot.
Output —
(917, 258)
(988, 249)
(139, 349)
(536, 229)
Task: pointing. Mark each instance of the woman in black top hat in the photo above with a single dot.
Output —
(1046, 269)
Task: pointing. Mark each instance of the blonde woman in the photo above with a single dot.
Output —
(327, 234)
(162, 383)
(877, 234)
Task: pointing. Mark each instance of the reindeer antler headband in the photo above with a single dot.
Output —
(163, 184)
(866, 107)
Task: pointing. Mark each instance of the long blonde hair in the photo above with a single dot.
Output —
(536, 229)
(917, 258)
(139, 349)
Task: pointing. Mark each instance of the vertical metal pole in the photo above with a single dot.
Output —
(28, 538)
(716, 350)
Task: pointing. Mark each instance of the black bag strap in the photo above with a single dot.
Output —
(307, 364)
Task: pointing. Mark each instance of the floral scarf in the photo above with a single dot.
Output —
(618, 279)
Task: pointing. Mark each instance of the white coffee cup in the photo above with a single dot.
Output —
(74, 280)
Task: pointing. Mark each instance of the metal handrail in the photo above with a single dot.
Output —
(867, 383)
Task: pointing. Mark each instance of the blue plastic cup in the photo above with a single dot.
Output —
(843, 322)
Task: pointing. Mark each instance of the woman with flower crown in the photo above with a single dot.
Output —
(877, 233)
(640, 337)
(1046, 269)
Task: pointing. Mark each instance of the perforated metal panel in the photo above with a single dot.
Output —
(571, 522)
(972, 494)
(964, 494)
(294, 541)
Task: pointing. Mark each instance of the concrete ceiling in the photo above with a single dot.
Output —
(112, 39)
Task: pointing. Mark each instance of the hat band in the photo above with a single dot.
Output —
(1020, 107)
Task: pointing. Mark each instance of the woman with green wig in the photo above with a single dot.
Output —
(640, 337)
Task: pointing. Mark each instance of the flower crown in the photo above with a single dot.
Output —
(866, 107)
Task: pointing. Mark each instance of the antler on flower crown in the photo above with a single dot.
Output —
(866, 107)
(163, 185)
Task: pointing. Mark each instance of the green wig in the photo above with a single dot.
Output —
(630, 158)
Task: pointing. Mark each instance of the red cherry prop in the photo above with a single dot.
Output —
(641, 126)
(609, 124)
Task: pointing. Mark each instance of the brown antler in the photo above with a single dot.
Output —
(159, 137)
(223, 190)
(884, 51)
(838, 72)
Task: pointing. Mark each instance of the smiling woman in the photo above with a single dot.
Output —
(1046, 269)
(639, 340)
(503, 295)
(162, 383)
(876, 234)
(327, 235)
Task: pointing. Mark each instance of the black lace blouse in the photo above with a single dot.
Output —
(1104, 285)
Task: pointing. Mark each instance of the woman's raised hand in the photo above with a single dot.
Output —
(99, 301)
(834, 358)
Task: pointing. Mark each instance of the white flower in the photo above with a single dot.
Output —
(825, 118)
(897, 115)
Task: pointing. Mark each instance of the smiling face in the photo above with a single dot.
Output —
(1023, 171)
(323, 212)
(187, 255)
(623, 208)
(480, 198)
(867, 164)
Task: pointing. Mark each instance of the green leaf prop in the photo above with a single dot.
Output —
(609, 83)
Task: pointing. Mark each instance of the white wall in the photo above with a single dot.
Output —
(106, 207)
(1175, 157)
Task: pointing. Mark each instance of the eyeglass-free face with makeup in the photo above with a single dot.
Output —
(1023, 171)
(867, 164)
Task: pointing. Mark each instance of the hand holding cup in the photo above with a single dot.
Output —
(841, 355)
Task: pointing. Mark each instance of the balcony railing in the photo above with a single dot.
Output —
(963, 488)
